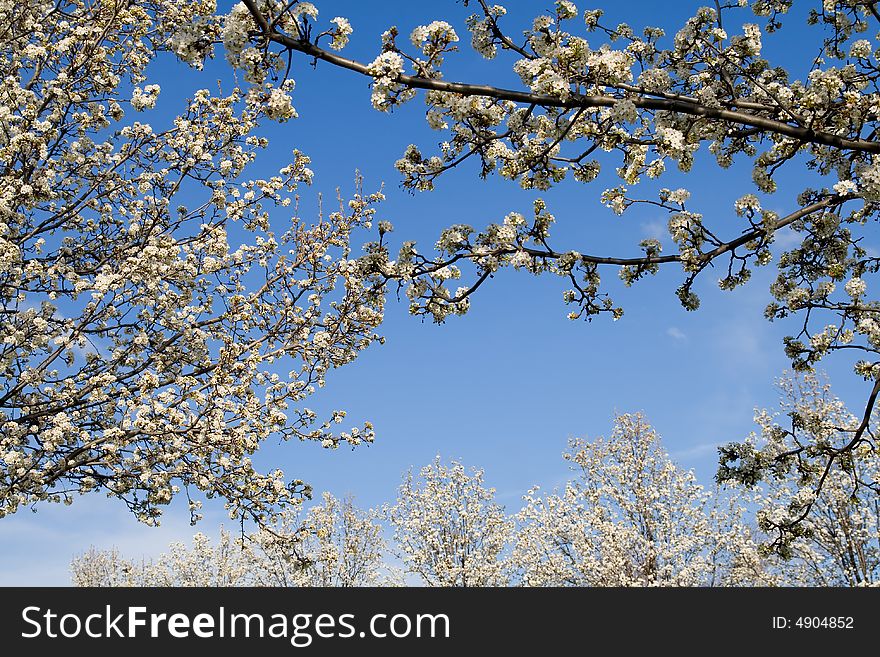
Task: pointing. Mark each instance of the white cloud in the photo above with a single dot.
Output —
(656, 229)
(745, 345)
(787, 239)
(676, 333)
(694, 451)
(36, 549)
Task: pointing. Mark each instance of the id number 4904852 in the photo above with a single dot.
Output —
(814, 623)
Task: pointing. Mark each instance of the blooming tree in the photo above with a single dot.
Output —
(161, 313)
(228, 563)
(838, 544)
(103, 568)
(629, 517)
(149, 303)
(336, 544)
(640, 101)
(632, 517)
(448, 528)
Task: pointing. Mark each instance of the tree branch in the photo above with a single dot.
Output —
(857, 437)
(726, 247)
(575, 100)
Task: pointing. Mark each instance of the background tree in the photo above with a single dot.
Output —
(103, 568)
(228, 563)
(448, 528)
(631, 517)
(595, 95)
(838, 543)
(149, 294)
(336, 544)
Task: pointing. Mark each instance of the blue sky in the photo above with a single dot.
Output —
(507, 385)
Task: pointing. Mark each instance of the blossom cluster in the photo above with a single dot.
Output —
(160, 308)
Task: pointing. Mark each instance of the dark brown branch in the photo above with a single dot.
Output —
(708, 255)
(505, 40)
(857, 437)
(866, 420)
(575, 100)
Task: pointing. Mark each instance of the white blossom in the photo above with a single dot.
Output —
(448, 528)
(341, 34)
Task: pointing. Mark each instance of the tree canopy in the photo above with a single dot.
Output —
(644, 101)
(141, 349)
